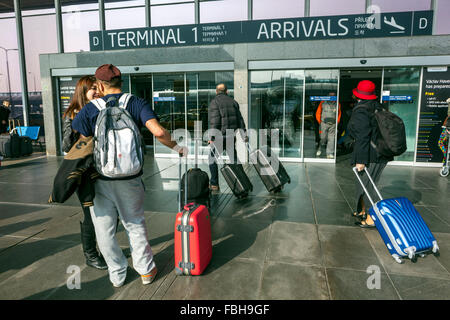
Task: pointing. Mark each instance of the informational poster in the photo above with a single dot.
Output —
(66, 91)
(433, 111)
(389, 24)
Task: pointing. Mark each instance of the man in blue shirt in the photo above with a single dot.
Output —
(122, 198)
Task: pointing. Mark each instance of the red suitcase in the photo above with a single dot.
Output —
(193, 244)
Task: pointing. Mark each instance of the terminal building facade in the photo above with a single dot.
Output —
(278, 63)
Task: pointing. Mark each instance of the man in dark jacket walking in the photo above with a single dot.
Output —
(225, 117)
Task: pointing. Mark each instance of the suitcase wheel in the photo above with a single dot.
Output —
(178, 271)
(414, 259)
(397, 259)
(437, 253)
(444, 172)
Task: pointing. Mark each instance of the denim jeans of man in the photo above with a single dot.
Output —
(215, 153)
(122, 199)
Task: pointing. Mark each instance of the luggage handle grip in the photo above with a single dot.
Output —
(179, 183)
(355, 170)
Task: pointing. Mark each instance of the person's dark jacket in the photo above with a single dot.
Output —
(76, 174)
(224, 114)
(4, 116)
(69, 136)
(363, 128)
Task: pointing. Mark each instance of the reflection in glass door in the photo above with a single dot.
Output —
(401, 96)
(276, 104)
(169, 103)
(322, 114)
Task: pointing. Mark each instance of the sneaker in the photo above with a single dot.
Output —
(330, 156)
(118, 285)
(214, 188)
(318, 153)
(148, 278)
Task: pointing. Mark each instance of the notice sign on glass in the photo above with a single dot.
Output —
(394, 24)
(66, 90)
(433, 111)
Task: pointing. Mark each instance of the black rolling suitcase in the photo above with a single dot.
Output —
(269, 168)
(26, 148)
(10, 145)
(236, 178)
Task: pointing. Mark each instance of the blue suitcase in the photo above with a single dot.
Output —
(400, 225)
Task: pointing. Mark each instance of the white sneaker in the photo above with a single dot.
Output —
(118, 285)
(330, 156)
(318, 153)
(148, 278)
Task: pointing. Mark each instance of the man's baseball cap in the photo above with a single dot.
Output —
(106, 72)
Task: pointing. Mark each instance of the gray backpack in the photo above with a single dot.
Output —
(118, 145)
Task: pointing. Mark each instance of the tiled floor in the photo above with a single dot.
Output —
(299, 244)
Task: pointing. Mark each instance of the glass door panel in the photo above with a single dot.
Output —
(401, 96)
(321, 113)
(276, 104)
(141, 86)
(169, 104)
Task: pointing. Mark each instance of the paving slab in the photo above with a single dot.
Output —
(237, 279)
(294, 243)
(292, 282)
(359, 285)
(345, 247)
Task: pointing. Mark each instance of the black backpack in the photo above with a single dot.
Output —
(391, 140)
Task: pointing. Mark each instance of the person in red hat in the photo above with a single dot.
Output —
(362, 127)
(122, 197)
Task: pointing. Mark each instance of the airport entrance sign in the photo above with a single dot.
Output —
(396, 24)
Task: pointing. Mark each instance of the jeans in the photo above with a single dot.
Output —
(123, 199)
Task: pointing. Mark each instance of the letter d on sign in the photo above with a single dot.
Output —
(374, 281)
(423, 23)
(95, 41)
(74, 281)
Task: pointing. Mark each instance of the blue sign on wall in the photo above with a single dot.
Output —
(397, 98)
(308, 28)
(157, 99)
(322, 98)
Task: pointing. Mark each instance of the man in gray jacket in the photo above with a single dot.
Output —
(223, 115)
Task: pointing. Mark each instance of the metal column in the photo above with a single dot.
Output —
(59, 26)
(250, 10)
(307, 8)
(197, 11)
(148, 14)
(22, 64)
(101, 14)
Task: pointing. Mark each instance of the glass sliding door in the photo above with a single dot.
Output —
(276, 104)
(169, 104)
(322, 114)
(401, 96)
(141, 86)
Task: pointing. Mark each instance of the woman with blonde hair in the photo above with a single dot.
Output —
(85, 91)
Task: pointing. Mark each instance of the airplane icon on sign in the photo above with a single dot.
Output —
(395, 25)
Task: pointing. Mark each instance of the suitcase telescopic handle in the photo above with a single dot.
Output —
(179, 182)
(355, 170)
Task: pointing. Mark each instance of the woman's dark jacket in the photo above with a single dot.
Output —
(363, 128)
(76, 174)
(69, 136)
